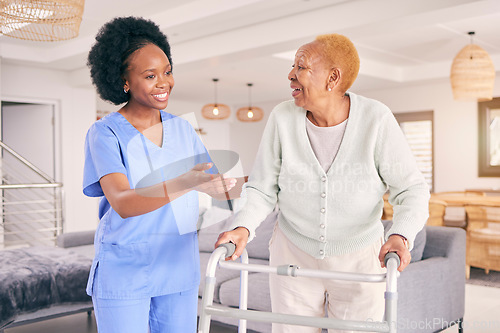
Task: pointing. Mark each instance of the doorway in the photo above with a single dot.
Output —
(31, 205)
(28, 129)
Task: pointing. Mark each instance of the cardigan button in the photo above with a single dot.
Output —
(322, 238)
(323, 210)
(323, 195)
(321, 252)
(323, 179)
(322, 226)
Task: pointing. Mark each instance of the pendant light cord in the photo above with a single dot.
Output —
(215, 90)
(249, 95)
(471, 34)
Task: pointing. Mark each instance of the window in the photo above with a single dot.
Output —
(418, 129)
(489, 138)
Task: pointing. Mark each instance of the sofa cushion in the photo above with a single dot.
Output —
(39, 277)
(258, 283)
(221, 275)
(217, 220)
(74, 239)
(418, 244)
(211, 223)
(81, 242)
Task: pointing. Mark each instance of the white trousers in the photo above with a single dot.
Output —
(345, 300)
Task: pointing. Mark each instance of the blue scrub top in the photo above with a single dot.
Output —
(155, 253)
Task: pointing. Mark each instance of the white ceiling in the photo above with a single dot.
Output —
(400, 42)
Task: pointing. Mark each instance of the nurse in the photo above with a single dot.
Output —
(146, 165)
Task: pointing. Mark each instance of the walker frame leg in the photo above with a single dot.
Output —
(388, 325)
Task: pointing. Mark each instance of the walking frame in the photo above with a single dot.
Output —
(389, 323)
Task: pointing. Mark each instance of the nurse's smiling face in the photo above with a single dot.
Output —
(148, 78)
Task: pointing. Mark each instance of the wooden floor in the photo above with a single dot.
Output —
(82, 323)
(482, 309)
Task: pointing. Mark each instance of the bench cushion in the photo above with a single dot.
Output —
(39, 277)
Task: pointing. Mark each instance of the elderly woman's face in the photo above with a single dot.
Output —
(309, 77)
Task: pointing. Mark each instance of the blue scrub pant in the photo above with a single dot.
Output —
(172, 313)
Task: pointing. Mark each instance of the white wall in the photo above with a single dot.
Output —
(76, 112)
(455, 132)
(217, 132)
(245, 137)
(21, 123)
(455, 126)
(227, 134)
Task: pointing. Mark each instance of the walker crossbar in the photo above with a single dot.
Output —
(270, 317)
(217, 257)
(304, 272)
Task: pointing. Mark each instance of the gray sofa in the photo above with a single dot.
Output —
(431, 290)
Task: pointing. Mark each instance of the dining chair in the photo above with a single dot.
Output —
(483, 237)
(437, 209)
(455, 215)
(387, 210)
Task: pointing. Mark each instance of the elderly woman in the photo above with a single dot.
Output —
(327, 158)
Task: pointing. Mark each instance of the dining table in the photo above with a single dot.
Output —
(462, 200)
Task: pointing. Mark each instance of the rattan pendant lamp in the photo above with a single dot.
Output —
(41, 20)
(215, 111)
(249, 113)
(472, 74)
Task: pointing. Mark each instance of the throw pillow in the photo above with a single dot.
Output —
(214, 221)
(259, 246)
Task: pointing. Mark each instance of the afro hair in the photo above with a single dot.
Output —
(341, 52)
(115, 42)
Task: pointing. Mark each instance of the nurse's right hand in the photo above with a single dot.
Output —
(238, 237)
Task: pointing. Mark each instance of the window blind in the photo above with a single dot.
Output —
(418, 130)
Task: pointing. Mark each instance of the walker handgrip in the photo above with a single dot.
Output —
(230, 247)
(390, 255)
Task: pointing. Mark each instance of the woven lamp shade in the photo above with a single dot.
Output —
(41, 20)
(472, 74)
(215, 111)
(249, 114)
